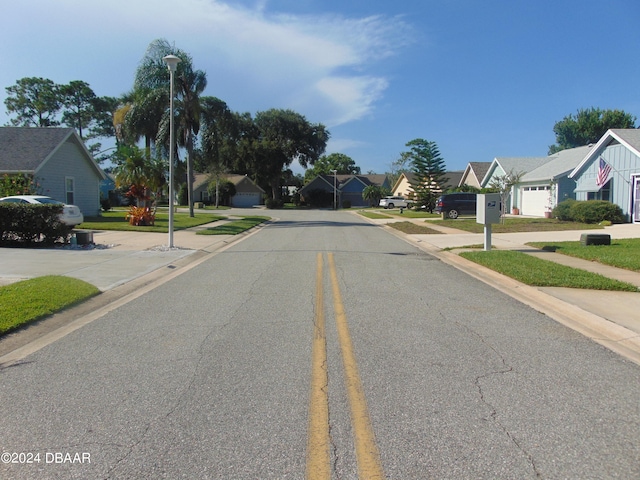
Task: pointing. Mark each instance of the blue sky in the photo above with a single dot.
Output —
(481, 78)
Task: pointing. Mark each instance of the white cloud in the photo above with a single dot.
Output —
(320, 65)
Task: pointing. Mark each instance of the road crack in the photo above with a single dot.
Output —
(494, 414)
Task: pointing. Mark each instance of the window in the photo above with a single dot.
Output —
(70, 189)
(603, 194)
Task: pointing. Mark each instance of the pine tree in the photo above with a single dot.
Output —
(429, 172)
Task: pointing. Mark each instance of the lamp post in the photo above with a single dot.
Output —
(335, 191)
(172, 62)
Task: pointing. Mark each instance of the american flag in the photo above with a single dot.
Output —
(603, 172)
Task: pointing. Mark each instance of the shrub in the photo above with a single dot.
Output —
(272, 203)
(141, 216)
(105, 204)
(26, 224)
(596, 211)
(562, 211)
(346, 204)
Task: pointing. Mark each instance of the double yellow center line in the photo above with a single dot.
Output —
(318, 446)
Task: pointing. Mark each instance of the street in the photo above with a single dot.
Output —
(321, 347)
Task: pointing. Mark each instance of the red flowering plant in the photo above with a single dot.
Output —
(18, 184)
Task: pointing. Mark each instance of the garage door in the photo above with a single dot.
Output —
(245, 199)
(535, 200)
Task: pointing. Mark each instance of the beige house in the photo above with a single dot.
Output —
(474, 173)
(248, 194)
(403, 186)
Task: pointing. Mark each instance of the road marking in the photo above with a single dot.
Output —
(367, 454)
(318, 455)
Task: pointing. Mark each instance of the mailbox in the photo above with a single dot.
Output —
(488, 208)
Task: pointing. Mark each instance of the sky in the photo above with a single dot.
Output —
(480, 78)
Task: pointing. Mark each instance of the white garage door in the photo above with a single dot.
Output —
(535, 200)
(245, 199)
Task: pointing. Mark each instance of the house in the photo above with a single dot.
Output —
(59, 162)
(247, 195)
(474, 173)
(541, 189)
(348, 188)
(616, 159)
(506, 165)
(404, 185)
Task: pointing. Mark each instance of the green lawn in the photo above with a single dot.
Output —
(30, 300)
(412, 228)
(235, 227)
(116, 220)
(543, 273)
(512, 225)
(623, 253)
(412, 213)
(373, 215)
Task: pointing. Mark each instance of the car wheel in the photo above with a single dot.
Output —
(391, 205)
(409, 205)
(453, 214)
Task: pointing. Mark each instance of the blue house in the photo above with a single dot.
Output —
(616, 160)
(541, 189)
(348, 188)
(59, 162)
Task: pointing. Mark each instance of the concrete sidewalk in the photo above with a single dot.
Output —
(115, 259)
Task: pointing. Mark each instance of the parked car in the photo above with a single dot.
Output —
(394, 202)
(455, 204)
(71, 214)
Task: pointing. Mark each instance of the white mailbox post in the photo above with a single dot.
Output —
(487, 213)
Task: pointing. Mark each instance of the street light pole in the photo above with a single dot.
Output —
(335, 192)
(172, 62)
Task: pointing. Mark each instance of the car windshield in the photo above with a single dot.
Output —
(47, 200)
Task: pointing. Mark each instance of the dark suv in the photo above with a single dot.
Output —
(456, 204)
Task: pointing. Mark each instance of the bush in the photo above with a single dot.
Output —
(562, 211)
(105, 204)
(22, 224)
(346, 204)
(272, 203)
(596, 211)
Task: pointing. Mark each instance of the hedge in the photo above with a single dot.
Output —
(590, 211)
(29, 224)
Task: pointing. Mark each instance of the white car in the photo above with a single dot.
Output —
(394, 202)
(71, 215)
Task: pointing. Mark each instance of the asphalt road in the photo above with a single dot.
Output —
(211, 375)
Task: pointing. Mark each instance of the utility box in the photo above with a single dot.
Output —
(595, 239)
(488, 208)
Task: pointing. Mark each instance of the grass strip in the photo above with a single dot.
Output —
(116, 220)
(234, 227)
(412, 228)
(622, 253)
(543, 273)
(373, 215)
(513, 225)
(29, 300)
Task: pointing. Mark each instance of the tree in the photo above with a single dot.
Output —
(374, 193)
(429, 171)
(78, 101)
(153, 76)
(343, 164)
(503, 185)
(588, 126)
(143, 177)
(285, 136)
(35, 101)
